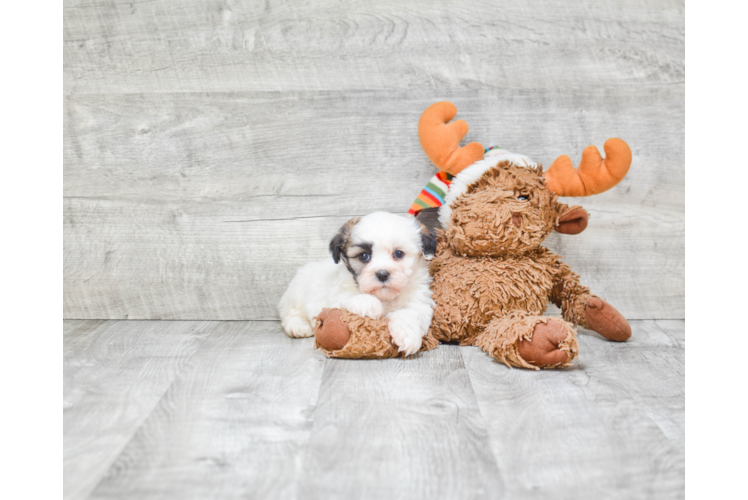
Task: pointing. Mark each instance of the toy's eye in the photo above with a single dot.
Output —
(399, 254)
(364, 257)
(523, 197)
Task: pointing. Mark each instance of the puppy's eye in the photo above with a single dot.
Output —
(398, 254)
(364, 257)
(523, 197)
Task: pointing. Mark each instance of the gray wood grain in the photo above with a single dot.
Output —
(74, 328)
(254, 414)
(361, 152)
(234, 425)
(399, 429)
(114, 373)
(202, 206)
(209, 46)
(613, 426)
(169, 263)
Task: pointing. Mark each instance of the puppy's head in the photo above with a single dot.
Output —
(382, 252)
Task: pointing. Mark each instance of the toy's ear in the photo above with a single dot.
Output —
(573, 220)
(339, 242)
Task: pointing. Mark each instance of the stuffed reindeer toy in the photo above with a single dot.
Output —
(492, 278)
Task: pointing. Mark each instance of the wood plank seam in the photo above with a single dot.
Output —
(176, 377)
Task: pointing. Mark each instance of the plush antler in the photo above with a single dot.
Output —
(441, 139)
(594, 174)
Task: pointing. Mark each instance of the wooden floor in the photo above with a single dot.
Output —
(235, 409)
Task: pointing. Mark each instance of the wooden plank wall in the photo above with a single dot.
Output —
(212, 147)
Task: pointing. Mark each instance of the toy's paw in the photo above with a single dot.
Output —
(404, 332)
(364, 305)
(606, 320)
(544, 348)
(331, 333)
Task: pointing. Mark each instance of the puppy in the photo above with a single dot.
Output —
(378, 269)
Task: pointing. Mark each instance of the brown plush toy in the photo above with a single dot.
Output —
(492, 278)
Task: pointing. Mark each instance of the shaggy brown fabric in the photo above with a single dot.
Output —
(501, 338)
(482, 218)
(568, 294)
(369, 338)
(469, 292)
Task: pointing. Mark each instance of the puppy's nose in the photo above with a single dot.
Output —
(383, 276)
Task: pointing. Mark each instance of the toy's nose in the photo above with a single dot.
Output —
(382, 276)
(517, 219)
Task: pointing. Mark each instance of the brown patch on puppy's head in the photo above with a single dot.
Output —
(508, 211)
(428, 242)
(341, 241)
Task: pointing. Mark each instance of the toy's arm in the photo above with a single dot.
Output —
(568, 293)
(343, 334)
(579, 306)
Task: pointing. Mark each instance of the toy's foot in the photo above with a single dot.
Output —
(606, 320)
(331, 333)
(545, 347)
(529, 341)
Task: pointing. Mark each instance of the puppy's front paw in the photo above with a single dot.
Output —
(364, 305)
(405, 334)
(298, 328)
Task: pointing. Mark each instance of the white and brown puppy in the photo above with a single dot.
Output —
(378, 269)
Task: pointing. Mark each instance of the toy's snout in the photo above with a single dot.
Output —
(572, 221)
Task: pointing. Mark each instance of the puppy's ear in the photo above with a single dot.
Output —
(337, 246)
(428, 243)
(339, 243)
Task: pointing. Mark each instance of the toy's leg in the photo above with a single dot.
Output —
(595, 314)
(529, 341)
(341, 334)
(605, 320)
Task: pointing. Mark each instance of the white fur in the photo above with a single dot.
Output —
(405, 298)
(472, 173)
(364, 304)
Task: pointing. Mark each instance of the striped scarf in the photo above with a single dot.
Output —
(433, 194)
